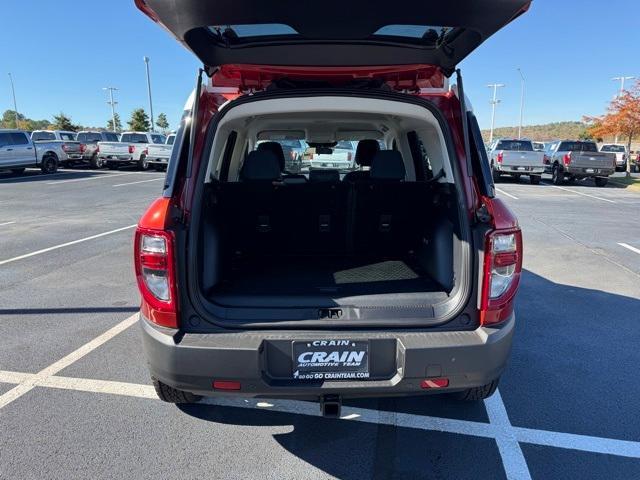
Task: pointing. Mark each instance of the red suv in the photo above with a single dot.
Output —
(393, 274)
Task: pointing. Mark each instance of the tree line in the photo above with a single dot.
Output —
(139, 122)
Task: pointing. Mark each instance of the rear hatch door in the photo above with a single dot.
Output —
(332, 33)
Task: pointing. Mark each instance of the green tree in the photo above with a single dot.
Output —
(63, 122)
(9, 119)
(118, 125)
(162, 122)
(139, 121)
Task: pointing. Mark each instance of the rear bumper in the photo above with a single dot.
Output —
(261, 361)
(117, 158)
(583, 172)
(521, 170)
(158, 161)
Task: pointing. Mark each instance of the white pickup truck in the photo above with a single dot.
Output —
(516, 158)
(69, 151)
(132, 148)
(342, 157)
(158, 155)
(18, 151)
(622, 155)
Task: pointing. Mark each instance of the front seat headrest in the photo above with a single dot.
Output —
(388, 165)
(365, 152)
(260, 166)
(276, 149)
(324, 176)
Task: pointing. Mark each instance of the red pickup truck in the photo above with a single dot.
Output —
(397, 277)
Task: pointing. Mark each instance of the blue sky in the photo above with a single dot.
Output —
(61, 53)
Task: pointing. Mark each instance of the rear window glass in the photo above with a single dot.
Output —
(171, 139)
(429, 34)
(230, 32)
(39, 136)
(111, 137)
(613, 148)
(159, 139)
(344, 145)
(67, 136)
(89, 137)
(578, 147)
(515, 145)
(134, 138)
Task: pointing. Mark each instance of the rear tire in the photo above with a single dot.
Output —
(557, 175)
(495, 174)
(172, 395)
(96, 162)
(112, 165)
(601, 182)
(143, 164)
(478, 393)
(49, 163)
(17, 171)
(535, 179)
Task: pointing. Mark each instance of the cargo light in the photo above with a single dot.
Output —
(226, 385)
(501, 275)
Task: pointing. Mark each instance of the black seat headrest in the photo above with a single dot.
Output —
(324, 176)
(365, 152)
(260, 166)
(276, 149)
(388, 165)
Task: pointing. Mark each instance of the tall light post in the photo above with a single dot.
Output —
(622, 81)
(113, 107)
(522, 84)
(494, 102)
(146, 62)
(15, 105)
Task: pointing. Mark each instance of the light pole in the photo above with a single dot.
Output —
(622, 81)
(15, 105)
(494, 102)
(113, 107)
(522, 84)
(146, 62)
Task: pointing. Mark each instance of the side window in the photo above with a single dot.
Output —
(424, 170)
(5, 139)
(479, 159)
(19, 138)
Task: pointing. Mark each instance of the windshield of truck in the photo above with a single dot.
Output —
(111, 137)
(67, 136)
(89, 137)
(158, 139)
(613, 148)
(515, 145)
(578, 147)
(41, 136)
(134, 138)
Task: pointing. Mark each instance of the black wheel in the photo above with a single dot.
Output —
(534, 179)
(49, 163)
(112, 165)
(571, 180)
(495, 174)
(96, 162)
(17, 171)
(478, 393)
(557, 175)
(600, 181)
(143, 164)
(171, 395)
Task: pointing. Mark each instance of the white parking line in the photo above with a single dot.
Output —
(579, 193)
(97, 177)
(507, 194)
(6, 223)
(141, 181)
(64, 362)
(629, 247)
(62, 245)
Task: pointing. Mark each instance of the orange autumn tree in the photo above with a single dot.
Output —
(622, 118)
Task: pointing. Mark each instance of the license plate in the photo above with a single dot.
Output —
(337, 359)
(589, 170)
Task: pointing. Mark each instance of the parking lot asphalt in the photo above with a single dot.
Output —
(76, 401)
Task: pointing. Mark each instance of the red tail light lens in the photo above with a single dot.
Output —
(98, 149)
(500, 157)
(349, 156)
(501, 276)
(155, 266)
(132, 149)
(83, 148)
(567, 159)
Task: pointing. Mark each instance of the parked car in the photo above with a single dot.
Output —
(340, 157)
(634, 158)
(89, 145)
(515, 158)
(18, 151)
(69, 146)
(569, 160)
(538, 146)
(400, 281)
(132, 148)
(620, 151)
(158, 155)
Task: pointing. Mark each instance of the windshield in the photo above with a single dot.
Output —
(613, 148)
(158, 139)
(67, 136)
(515, 145)
(578, 147)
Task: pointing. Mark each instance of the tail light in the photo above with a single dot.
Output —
(292, 154)
(567, 159)
(546, 160)
(501, 275)
(349, 156)
(155, 266)
(97, 148)
(145, 151)
(500, 157)
(83, 148)
(132, 149)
